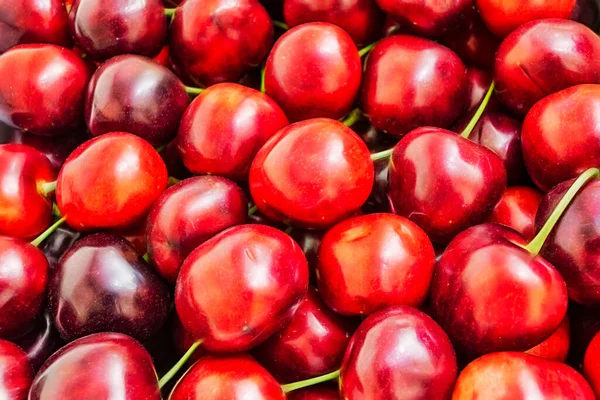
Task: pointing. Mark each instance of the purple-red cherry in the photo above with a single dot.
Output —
(41, 342)
(16, 374)
(517, 208)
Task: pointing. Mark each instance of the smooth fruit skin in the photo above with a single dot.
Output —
(33, 21)
(110, 182)
(224, 127)
(517, 208)
(103, 29)
(315, 393)
(478, 83)
(312, 344)
(454, 187)
(238, 288)
(104, 366)
(519, 376)
(398, 353)
(374, 261)
(136, 95)
(214, 41)
(557, 149)
(362, 19)
(432, 90)
(102, 284)
(25, 211)
(188, 214)
(504, 16)
(41, 342)
(489, 294)
(544, 57)
(233, 377)
(15, 372)
(591, 364)
(45, 92)
(312, 174)
(556, 347)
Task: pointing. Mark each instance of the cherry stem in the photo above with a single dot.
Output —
(382, 154)
(262, 79)
(469, 128)
(281, 25)
(366, 49)
(169, 12)
(172, 181)
(252, 210)
(536, 244)
(36, 242)
(146, 257)
(310, 382)
(46, 188)
(173, 371)
(289, 229)
(194, 91)
(55, 211)
(354, 116)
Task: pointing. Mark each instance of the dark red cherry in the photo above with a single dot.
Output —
(587, 12)
(104, 366)
(591, 364)
(309, 241)
(314, 70)
(102, 284)
(516, 209)
(556, 347)
(45, 92)
(478, 82)
(378, 200)
(312, 174)
(41, 342)
(320, 392)
(182, 340)
(15, 372)
(585, 324)
(136, 95)
(172, 159)
(397, 353)
(58, 243)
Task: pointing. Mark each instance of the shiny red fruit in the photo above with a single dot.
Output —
(41, 342)
(516, 209)
(315, 393)
(478, 83)
(15, 372)
(591, 364)
(556, 347)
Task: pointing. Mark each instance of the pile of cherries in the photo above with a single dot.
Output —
(301, 199)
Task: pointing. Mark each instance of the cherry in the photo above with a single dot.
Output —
(15, 372)
(549, 158)
(231, 377)
(214, 41)
(110, 182)
(102, 366)
(58, 242)
(265, 275)
(431, 92)
(519, 376)
(585, 324)
(309, 241)
(224, 127)
(313, 174)
(133, 94)
(362, 19)
(375, 139)
(33, 21)
(103, 29)
(591, 364)
(478, 82)
(44, 94)
(188, 214)
(587, 12)
(544, 57)
(172, 159)
(556, 347)
(41, 342)
(315, 393)
(398, 349)
(373, 261)
(183, 340)
(516, 209)
(378, 200)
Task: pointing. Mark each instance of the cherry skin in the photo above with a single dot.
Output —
(516, 209)
(587, 12)
(429, 69)
(265, 275)
(309, 241)
(315, 393)
(231, 377)
(585, 324)
(172, 159)
(188, 214)
(15, 372)
(518, 376)
(378, 200)
(480, 285)
(549, 158)
(110, 182)
(312, 344)
(224, 127)
(103, 29)
(182, 340)
(58, 242)
(591, 364)
(397, 353)
(362, 19)
(103, 366)
(134, 94)
(556, 347)
(544, 57)
(41, 342)
(45, 92)
(312, 174)
(219, 40)
(478, 82)
(26, 211)
(456, 186)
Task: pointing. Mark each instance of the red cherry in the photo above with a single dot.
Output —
(478, 82)
(516, 209)
(556, 347)
(591, 364)
(41, 342)
(110, 181)
(313, 174)
(314, 70)
(315, 393)
(15, 372)
(183, 340)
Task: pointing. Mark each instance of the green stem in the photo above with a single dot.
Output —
(146, 257)
(536, 244)
(281, 25)
(46, 188)
(169, 12)
(289, 229)
(352, 117)
(36, 242)
(55, 211)
(366, 49)
(194, 91)
(252, 210)
(160, 148)
(173, 371)
(172, 181)
(382, 154)
(469, 128)
(310, 382)
(262, 79)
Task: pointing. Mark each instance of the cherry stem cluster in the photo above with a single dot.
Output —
(38, 240)
(46, 188)
(169, 12)
(469, 128)
(310, 382)
(173, 371)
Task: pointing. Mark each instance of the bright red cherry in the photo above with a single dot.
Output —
(41, 342)
(224, 127)
(134, 94)
(214, 41)
(432, 90)
(110, 182)
(314, 70)
(556, 347)
(516, 209)
(15, 372)
(313, 174)
(45, 92)
(320, 392)
(591, 364)
(397, 353)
